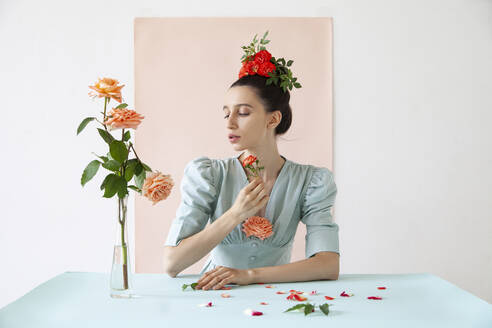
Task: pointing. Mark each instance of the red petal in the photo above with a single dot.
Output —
(269, 286)
(257, 313)
(281, 292)
(260, 283)
(329, 298)
(344, 294)
(381, 287)
(375, 298)
(264, 303)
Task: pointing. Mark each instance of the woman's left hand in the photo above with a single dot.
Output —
(220, 276)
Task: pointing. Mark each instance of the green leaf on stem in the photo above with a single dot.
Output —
(90, 171)
(105, 181)
(127, 135)
(130, 168)
(112, 165)
(122, 105)
(146, 167)
(122, 187)
(308, 309)
(325, 308)
(111, 186)
(296, 307)
(193, 285)
(140, 178)
(135, 188)
(108, 138)
(138, 169)
(84, 123)
(103, 158)
(118, 150)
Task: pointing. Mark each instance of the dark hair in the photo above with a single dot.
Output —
(272, 96)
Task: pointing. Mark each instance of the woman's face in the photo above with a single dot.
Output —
(245, 117)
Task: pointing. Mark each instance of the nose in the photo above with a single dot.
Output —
(231, 121)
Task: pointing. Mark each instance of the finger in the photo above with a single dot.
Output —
(254, 193)
(252, 184)
(216, 280)
(209, 276)
(206, 274)
(261, 196)
(225, 281)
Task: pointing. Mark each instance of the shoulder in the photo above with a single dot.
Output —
(312, 174)
(212, 169)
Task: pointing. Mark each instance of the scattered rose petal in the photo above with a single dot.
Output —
(296, 291)
(281, 292)
(269, 286)
(296, 297)
(224, 295)
(345, 294)
(313, 293)
(375, 298)
(329, 298)
(209, 304)
(264, 303)
(252, 312)
(381, 287)
(260, 283)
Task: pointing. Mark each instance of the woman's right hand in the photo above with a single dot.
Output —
(250, 200)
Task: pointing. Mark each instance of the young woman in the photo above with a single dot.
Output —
(221, 191)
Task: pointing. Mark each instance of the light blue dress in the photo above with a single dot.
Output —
(301, 192)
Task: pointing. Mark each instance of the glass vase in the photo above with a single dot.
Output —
(121, 271)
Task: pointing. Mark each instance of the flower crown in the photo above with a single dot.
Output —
(257, 60)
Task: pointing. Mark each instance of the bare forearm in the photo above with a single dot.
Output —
(314, 268)
(195, 247)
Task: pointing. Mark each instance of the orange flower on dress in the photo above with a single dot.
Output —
(123, 118)
(106, 87)
(257, 226)
(157, 186)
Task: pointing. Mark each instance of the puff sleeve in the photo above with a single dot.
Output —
(198, 198)
(321, 231)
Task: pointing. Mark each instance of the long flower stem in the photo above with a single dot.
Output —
(106, 100)
(124, 248)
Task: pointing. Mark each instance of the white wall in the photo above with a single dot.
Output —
(413, 137)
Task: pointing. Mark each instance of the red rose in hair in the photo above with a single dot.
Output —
(265, 68)
(263, 56)
(252, 67)
(243, 71)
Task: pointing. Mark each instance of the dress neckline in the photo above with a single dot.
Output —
(246, 181)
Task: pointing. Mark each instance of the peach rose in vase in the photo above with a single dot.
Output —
(122, 169)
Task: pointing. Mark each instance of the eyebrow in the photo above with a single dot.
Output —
(238, 105)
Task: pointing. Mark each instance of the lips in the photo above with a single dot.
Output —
(232, 135)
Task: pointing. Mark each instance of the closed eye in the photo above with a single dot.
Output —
(239, 114)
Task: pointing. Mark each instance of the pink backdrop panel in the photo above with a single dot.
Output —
(183, 67)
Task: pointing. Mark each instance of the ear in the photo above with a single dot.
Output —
(274, 119)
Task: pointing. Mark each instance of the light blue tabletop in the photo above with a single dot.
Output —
(81, 299)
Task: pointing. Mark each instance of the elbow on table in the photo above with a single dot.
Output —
(167, 266)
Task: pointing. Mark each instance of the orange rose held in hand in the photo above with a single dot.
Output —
(257, 226)
(107, 87)
(123, 118)
(157, 186)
